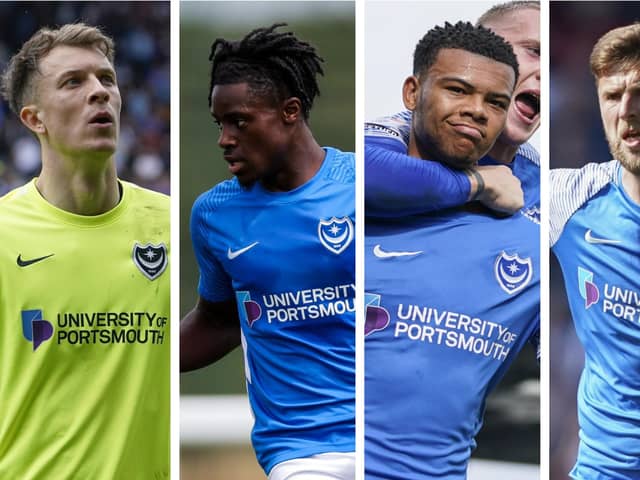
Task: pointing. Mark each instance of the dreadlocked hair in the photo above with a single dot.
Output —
(270, 62)
(462, 36)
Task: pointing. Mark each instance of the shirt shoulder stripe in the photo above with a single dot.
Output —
(571, 188)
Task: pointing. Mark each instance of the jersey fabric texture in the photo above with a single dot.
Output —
(84, 338)
(386, 141)
(451, 298)
(594, 230)
(289, 260)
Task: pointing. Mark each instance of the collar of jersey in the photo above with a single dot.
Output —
(89, 221)
(304, 189)
(526, 153)
(632, 206)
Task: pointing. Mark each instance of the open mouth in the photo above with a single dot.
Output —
(528, 105)
(235, 164)
(101, 119)
(631, 136)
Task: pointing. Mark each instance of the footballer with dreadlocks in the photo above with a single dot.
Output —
(276, 255)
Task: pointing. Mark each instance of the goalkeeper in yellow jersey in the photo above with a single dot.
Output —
(84, 280)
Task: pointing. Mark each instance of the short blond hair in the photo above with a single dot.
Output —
(17, 81)
(502, 9)
(617, 50)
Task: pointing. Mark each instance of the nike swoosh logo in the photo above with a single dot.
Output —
(231, 255)
(591, 239)
(26, 263)
(378, 252)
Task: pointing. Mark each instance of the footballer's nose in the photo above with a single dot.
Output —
(99, 92)
(629, 105)
(225, 139)
(475, 107)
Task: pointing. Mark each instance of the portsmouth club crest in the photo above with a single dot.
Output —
(150, 259)
(336, 234)
(512, 272)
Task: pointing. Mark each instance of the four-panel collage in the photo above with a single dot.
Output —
(405, 240)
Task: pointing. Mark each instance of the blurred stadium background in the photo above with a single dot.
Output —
(224, 452)
(576, 138)
(142, 36)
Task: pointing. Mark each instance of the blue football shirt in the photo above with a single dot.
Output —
(451, 298)
(289, 260)
(594, 230)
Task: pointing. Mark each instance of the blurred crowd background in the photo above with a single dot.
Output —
(576, 138)
(141, 31)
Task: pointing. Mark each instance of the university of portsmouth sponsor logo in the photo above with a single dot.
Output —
(108, 327)
(34, 328)
(512, 272)
(249, 310)
(92, 328)
(621, 302)
(150, 259)
(588, 289)
(336, 234)
(376, 317)
(453, 330)
(309, 303)
(297, 305)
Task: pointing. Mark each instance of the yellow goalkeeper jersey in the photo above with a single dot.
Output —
(84, 339)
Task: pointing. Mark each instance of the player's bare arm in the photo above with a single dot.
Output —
(208, 333)
(496, 187)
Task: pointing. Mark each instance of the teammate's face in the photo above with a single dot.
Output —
(521, 29)
(77, 102)
(619, 97)
(460, 107)
(251, 131)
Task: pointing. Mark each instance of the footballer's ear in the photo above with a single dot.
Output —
(291, 110)
(410, 92)
(31, 117)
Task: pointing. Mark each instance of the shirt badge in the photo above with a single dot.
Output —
(336, 234)
(512, 272)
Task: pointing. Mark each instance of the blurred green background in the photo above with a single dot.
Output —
(332, 31)
(330, 27)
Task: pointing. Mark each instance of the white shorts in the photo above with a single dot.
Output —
(324, 466)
